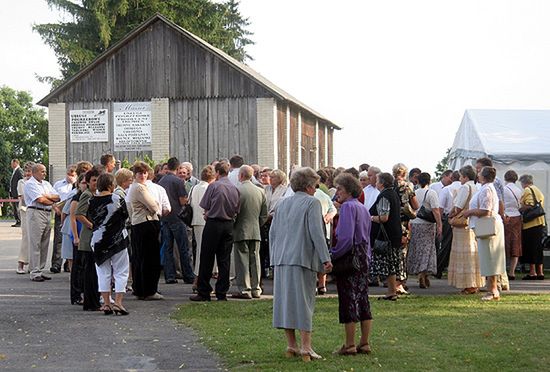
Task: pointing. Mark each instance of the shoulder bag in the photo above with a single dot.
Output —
(347, 264)
(424, 213)
(186, 212)
(459, 220)
(486, 227)
(534, 212)
(382, 244)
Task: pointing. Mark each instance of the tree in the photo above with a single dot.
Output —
(23, 133)
(443, 164)
(97, 24)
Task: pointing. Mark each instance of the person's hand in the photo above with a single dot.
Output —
(327, 266)
(439, 230)
(76, 240)
(327, 218)
(404, 239)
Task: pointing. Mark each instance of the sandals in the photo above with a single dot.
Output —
(292, 352)
(106, 309)
(364, 349)
(490, 297)
(347, 350)
(307, 356)
(469, 291)
(119, 310)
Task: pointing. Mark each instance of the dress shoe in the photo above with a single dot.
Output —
(55, 270)
(222, 298)
(256, 294)
(242, 296)
(37, 279)
(20, 271)
(17, 224)
(46, 277)
(540, 277)
(189, 281)
(154, 297)
(198, 298)
(171, 281)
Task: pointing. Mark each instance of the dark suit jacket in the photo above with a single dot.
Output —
(17, 175)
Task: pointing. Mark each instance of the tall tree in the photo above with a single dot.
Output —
(23, 132)
(443, 164)
(96, 24)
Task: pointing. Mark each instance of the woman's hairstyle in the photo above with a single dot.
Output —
(82, 167)
(349, 183)
(510, 176)
(424, 179)
(28, 166)
(302, 178)
(140, 167)
(468, 171)
(526, 179)
(489, 173)
(323, 175)
(485, 162)
(385, 179)
(105, 182)
(208, 173)
(280, 174)
(363, 174)
(122, 175)
(399, 170)
(354, 172)
(94, 172)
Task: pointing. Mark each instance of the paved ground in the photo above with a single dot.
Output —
(40, 329)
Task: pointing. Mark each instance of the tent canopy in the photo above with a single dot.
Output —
(506, 136)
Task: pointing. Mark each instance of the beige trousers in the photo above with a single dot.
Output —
(38, 230)
(24, 250)
(247, 266)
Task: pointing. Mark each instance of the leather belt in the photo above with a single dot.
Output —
(40, 208)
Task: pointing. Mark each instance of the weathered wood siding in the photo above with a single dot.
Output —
(161, 62)
(330, 149)
(281, 136)
(322, 147)
(203, 130)
(92, 151)
(308, 142)
(294, 148)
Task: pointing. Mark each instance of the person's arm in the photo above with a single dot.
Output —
(74, 228)
(263, 211)
(345, 232)
(437, 215)
(143, 195)
(317, 233)
(414, 202)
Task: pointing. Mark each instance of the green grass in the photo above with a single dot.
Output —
(413, 334)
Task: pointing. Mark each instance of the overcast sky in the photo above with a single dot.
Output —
(396, 75)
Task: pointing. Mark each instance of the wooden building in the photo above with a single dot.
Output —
(195, 102)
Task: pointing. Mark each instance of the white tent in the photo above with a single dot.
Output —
(513, 139)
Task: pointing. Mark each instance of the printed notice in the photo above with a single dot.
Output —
(89, 125)
(132, 126)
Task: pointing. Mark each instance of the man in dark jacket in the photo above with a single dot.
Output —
(15, 177)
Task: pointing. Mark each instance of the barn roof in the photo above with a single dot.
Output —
(243, 68)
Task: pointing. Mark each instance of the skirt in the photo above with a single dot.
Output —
(422, 255)
(463, 270)
(66, 247)
(353, 292)
(512, 237)
(492, 255)
(532, 245)
(293, 297)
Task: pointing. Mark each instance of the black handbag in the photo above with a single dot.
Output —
(186, 212)
(533, 212)
(347, 264)
(382, 243)
(424, 213)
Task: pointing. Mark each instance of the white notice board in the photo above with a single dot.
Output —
(89, 125)
(132, 126)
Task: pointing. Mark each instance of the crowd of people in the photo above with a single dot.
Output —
(119, 229)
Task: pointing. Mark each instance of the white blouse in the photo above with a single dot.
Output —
(512, 197)
(487, 199)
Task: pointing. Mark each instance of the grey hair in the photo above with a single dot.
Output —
(187, 165)
(302, 178)
(246, 171)
(526, 179)
(363, 174)
(279, 173)
(375, 170)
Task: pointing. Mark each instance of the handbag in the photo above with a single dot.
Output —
(486, 227)
(533, 212)
(382, 244)
(347, 264)
(424, 213)
(186, 212)
(459, 220)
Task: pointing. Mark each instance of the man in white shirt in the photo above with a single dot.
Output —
(236, 162)
(444, 181)
(40, 197)
(64, 188)
(446, 198)
(371, 192)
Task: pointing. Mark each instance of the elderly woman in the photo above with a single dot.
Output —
(463, 270)
(298, 251)
(145, 236)
(385, 212)
(208, 175)
(492, 257)
(353, 233)
(408, 204)
(533, 230)
(422, 257)
(512, 221)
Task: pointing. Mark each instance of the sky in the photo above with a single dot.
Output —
(396, 75)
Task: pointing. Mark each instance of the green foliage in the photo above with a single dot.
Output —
(443, 164)
(96, 24)
(418, 333)
(23, 133)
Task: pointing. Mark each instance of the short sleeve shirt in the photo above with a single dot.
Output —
(34, 189)
(175, 189)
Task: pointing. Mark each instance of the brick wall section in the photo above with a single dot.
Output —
(57, 146)
(267, 136)
(160, 122)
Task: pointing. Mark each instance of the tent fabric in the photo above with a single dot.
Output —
(506, 136)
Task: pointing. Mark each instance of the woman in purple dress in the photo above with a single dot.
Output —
(353, 232)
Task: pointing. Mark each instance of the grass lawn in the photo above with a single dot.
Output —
(412, 334)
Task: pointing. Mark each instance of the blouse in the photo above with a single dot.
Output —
(195, 197)
(353, 228)
(429, 199)
(527, 200)
(144, 207)
(512, 196)
(487, 199)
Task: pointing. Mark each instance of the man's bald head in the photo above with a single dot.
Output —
(245, 173)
